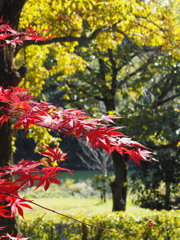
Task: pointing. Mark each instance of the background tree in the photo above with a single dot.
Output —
(155, 111)
(120, 80)
(97, 159)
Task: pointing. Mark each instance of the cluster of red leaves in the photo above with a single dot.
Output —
(11, 237)
(150, 223)
(26, 111)
(9, 35)
(31, 173)
(27, 172)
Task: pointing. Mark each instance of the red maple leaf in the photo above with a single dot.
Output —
(27, 178)
(7, 187)
(2, 228)
(4, 213)
(57, 169)
(9, 35)
(48, 178)
(24, 166)
(19, 89)
(54, 154)
(104, 137)
(18, 237)
(4, 118)
(16, 205)
(26, 121)
(139, 154)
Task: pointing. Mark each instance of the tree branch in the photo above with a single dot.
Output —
(142, 67)
(114, 71)
(80, 40)
(64, 215)
(167, 99)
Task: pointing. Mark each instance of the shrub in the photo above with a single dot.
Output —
(68, 188)
(146, 195)
(39, 229)
(157, 225)
(161, 225)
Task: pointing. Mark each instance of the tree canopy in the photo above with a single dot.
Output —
(95, 25)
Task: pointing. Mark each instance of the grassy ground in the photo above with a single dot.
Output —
(72, 200)
(74, 206)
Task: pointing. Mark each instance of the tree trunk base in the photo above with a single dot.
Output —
(119, 185)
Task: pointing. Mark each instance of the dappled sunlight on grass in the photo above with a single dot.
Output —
(77, 198)
(68, 206)
(77, 206)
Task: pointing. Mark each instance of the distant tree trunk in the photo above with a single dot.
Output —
(167, 195)
(120, 163)
(119, 185)
(104, 187)
(10, 11)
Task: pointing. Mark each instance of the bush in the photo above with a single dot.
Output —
(68, 188)
(162, 225)
(146, 195)
(39, 230)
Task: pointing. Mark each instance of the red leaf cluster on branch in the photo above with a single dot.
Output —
(27, 111)
(9, 35)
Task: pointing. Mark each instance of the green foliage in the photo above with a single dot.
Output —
(39, 229)
(148, 196)
(165, 225)
(156, 186)
(101, 183)
(68, 188)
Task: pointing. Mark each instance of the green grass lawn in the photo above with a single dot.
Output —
(70, 205)
(74, 206)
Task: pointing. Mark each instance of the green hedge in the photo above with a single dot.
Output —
(39, 229)
(166, 226)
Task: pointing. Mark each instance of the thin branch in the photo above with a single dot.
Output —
(170, 82)
(89, 166)
(155, 24)
(142, 67)
(167, 99)
(74, 219)
(64, 215)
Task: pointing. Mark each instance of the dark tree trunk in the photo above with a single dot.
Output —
(6, 154)
(167, 195)
(5, 144)
(10, 11)
(120, 163)
(119, 185)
